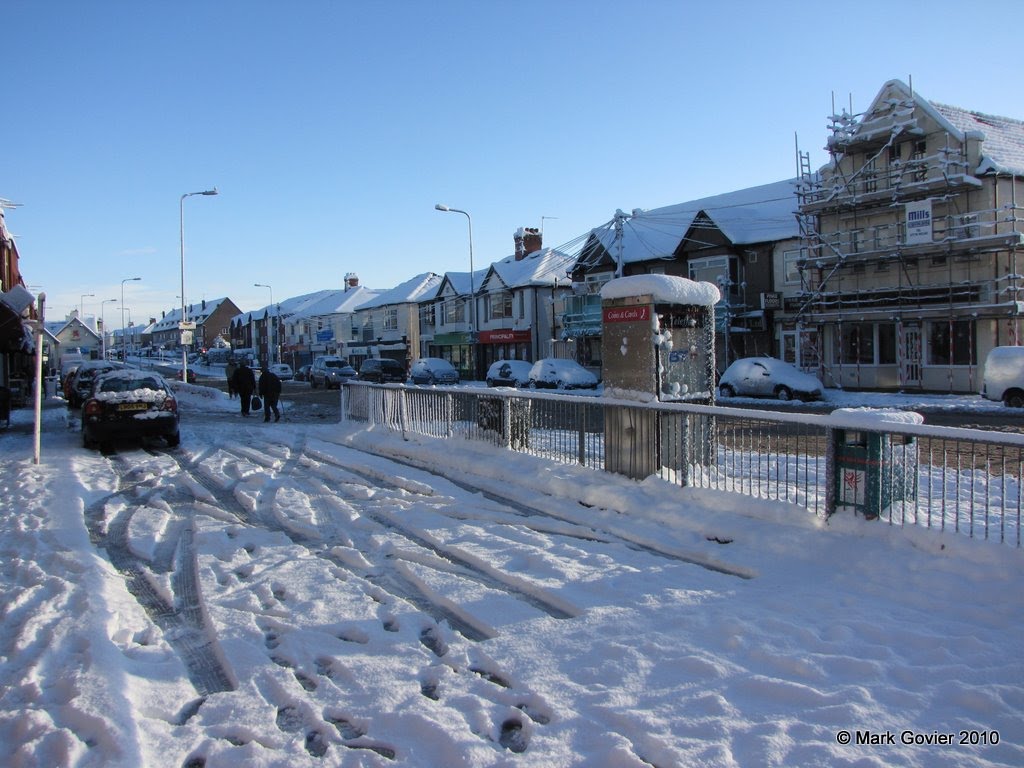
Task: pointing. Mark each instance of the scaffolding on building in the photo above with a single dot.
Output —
(862, 257)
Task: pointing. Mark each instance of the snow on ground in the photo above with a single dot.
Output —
(317, 594)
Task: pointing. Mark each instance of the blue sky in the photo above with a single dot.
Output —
(332, 128)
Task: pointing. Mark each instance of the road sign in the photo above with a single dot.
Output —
(188, 325)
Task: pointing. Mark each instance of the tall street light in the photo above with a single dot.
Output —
(124, 330)
(182, 325)
(103, 323)
(270, 348)
(472, 287)
(81, 306)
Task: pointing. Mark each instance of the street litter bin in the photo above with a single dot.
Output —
(5, 406)
(873, 470)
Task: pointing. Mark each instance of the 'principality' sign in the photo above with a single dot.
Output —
(627, 314)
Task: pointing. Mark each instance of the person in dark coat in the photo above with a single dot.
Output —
(244, 382)
(229, 372)
(270, 391)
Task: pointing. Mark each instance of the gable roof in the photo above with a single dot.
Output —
(1002, 138)
(57, 327)
(544, 267)
(460, 283)
(195, 312)
(760, 214)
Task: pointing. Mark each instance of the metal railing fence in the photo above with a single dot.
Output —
(959, 480)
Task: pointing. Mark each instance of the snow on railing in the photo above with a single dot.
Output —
(904, 473)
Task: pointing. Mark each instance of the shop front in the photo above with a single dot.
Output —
(504, 345)
(456, 348)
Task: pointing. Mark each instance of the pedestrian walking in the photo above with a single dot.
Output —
(270, 391)
(229, 371)
(244, 381)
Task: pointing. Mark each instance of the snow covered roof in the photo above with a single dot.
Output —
(1003, 143)
(1002, 148)
(56, 327)
(758, 214)
(666, 289)
(411, 290)
(336, 302)
(460, 283)
(544, 267)
(286, 307)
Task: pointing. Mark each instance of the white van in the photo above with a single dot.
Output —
(1004, 376)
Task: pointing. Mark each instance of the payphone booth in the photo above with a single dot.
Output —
(657, 344)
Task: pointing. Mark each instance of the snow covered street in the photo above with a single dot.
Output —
(318, 594)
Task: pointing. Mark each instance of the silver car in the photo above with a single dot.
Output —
(768, 377)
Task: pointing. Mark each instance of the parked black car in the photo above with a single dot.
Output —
(381, 370)
(83, 378)
(129, 403)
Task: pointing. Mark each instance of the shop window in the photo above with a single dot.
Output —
(856, 344)
(886, 343)
(952, 343)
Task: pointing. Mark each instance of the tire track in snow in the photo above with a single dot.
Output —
(385, 575)
(525, 510)
(183, 623)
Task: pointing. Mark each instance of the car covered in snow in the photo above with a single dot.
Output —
(1004, 376)
(768, 377)
(129, 403)
(509, 373)
(81, 380)
(558, 373)
(283, 371)
(433, 370)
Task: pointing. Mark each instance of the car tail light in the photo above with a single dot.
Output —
(169, 404)
(92, 408)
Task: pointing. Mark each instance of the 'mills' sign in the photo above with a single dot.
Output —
(919, 222)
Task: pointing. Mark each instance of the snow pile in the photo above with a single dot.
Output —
(665, 289)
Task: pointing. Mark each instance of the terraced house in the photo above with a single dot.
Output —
(908, 270)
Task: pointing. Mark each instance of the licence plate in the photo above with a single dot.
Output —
(133, 407)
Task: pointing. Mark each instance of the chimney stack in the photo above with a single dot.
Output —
(351, 281)
(527, 240)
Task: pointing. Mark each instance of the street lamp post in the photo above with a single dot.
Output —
(81, 306)
(124, 330)
(181, 229)
(270, 337)
(472, 287)
(103, 323)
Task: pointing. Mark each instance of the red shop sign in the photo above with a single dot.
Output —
(500, 337)
(627, 314)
